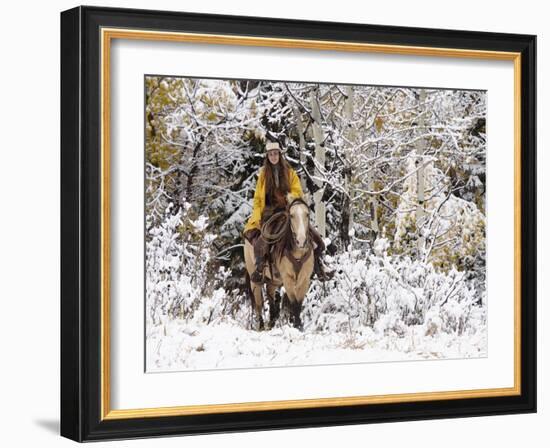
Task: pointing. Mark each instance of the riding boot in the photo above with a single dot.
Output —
(317, 238)
(318, 265)
(260, 252)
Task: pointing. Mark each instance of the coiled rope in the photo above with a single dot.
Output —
(279, 228)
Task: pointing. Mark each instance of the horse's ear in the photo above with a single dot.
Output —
(307, 198)
(289, 198)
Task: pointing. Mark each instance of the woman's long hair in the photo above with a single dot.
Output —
(276, 195)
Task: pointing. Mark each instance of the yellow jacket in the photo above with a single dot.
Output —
(259, 197)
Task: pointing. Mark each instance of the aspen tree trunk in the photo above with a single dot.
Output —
(300, 125)
(420, 144)
(373, 207)
(319, 161)
(347, 210)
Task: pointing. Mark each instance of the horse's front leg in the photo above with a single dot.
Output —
(295, 309)
(274, 308)
(258, 303)
(300, 290)
(295, 288)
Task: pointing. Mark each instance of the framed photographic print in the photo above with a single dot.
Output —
(271, 223)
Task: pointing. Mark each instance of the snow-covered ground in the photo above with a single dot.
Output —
(376, 308)
(178, 345)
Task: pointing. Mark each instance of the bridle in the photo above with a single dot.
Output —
(289, 206)
(297, 263)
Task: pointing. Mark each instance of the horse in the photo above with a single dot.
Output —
(292, 258)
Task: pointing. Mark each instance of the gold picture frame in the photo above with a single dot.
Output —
(92, 396)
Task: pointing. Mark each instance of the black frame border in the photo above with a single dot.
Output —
(81, 223)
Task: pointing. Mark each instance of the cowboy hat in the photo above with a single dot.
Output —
(272, 145)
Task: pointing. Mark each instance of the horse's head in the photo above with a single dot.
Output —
(298, 212)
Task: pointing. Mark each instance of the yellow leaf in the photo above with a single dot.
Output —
(378, 122)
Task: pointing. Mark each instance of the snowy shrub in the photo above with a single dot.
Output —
(177, 261)
(389, 294)
(183, 280)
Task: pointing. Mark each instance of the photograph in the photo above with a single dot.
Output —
(291, 223)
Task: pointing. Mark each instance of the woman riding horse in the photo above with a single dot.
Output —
(276, 181)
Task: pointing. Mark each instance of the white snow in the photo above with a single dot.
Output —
(376, 308)
(178, 345)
